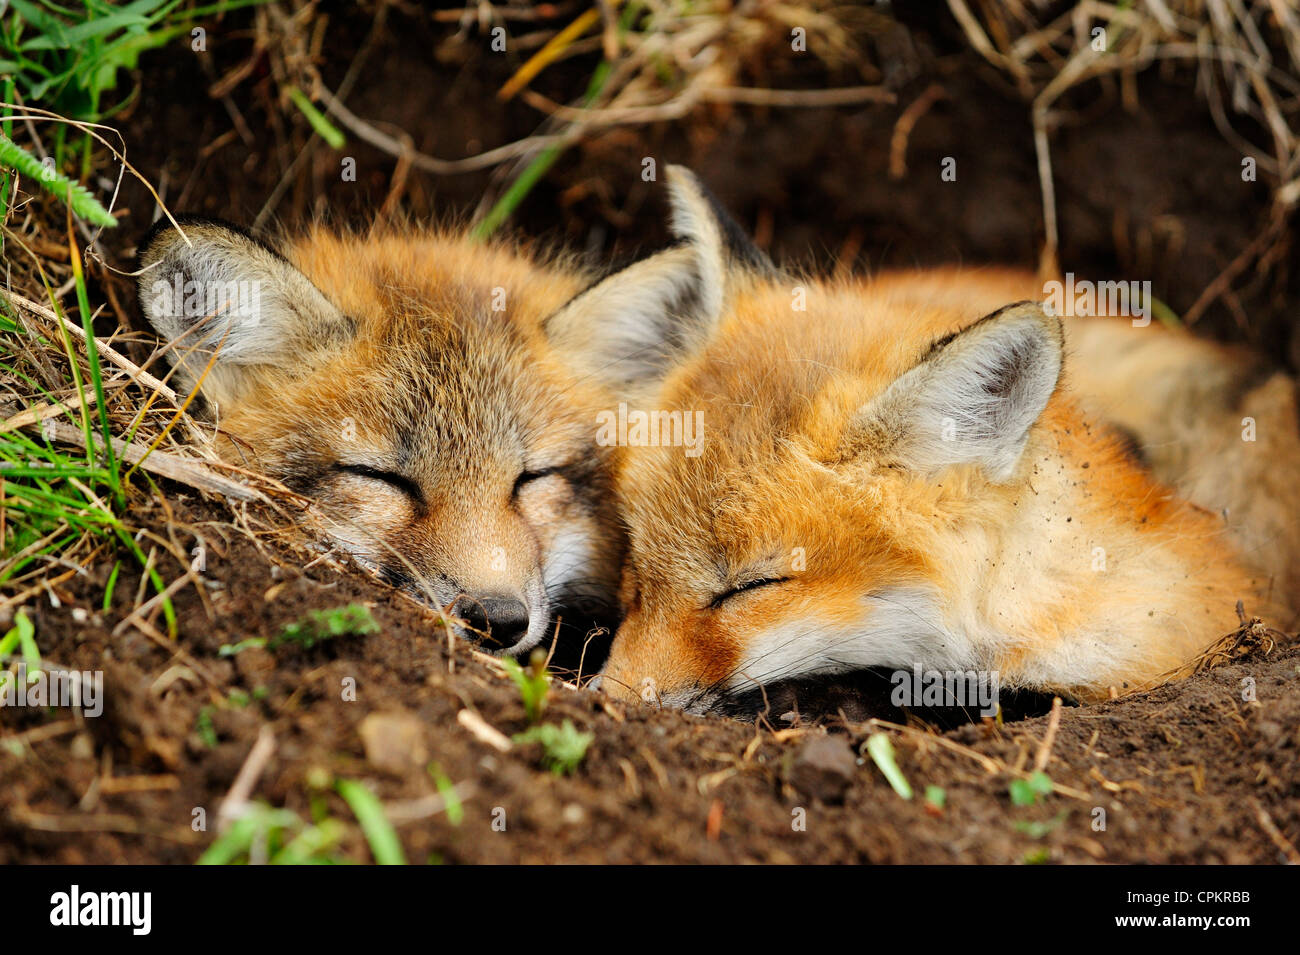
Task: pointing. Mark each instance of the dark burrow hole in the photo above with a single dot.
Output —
(856, 696)
(863, 695)
(579, 650)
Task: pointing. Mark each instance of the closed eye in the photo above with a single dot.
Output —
(751, 585)
(527, 477)
(392, 478)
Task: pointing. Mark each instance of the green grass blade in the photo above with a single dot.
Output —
(384, 844)
(55, 183)
(322, 126)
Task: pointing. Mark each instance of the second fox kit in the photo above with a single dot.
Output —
(409, 385)
(889, 479)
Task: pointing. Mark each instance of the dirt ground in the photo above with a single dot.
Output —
(1186, 773)
(1204, 771)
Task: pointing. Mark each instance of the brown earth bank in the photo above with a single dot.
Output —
(1203, 771)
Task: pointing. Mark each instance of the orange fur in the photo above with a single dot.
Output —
(422, 359)
(1081, 573)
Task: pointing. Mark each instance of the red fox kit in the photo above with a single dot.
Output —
(408, 386)
(889, 479)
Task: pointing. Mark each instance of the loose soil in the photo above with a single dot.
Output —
(1182, 774)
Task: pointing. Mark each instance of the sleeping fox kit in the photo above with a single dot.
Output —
(422, 390)
(924, 469)
(915, 471)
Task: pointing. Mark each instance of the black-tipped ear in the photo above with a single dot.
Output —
(635, 325)
(208, 288)
(972, 400)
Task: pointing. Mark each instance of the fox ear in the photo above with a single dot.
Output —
(971, 400)
(633, 326)
(210, 288)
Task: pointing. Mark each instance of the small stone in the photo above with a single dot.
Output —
(573, 815)
(394, 742)
(824, 768)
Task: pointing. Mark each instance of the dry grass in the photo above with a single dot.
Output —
(1251, 638)
(85, 431)
(1244, 58)
(663, 61)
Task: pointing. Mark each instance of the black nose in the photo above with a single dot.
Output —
(501, 621)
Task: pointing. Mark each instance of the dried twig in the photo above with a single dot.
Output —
(483, 731)
(233, 806)
(121, 361)
(192, 471)
(1045, 748)
(1289, 852)
(413, 810)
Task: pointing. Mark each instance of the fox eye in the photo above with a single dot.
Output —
(527, 477)
(392, 478)
(750, 585)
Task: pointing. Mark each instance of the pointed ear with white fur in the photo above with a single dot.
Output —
(971, 400)
(630, 328)
(210, 288)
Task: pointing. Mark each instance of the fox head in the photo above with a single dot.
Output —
(810, 535)
(414, 389)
